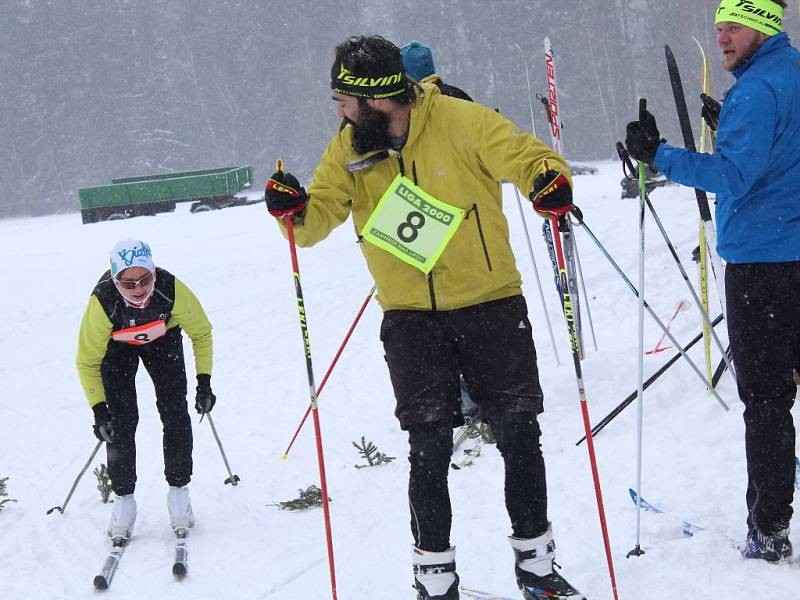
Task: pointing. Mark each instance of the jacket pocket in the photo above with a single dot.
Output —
(474, 210)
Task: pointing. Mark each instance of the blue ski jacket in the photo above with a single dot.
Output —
(755, 171)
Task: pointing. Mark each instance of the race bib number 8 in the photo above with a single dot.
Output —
(143, 334)
(412, 225)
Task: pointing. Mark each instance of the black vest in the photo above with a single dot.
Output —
(123, 316)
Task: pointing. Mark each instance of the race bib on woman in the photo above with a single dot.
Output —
(412, 225)
(141, 334)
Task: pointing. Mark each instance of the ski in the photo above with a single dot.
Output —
(470, 454)
(479, 595)
(103, 580)
(569, 253)
(688, 528)
(572, 283)
(705, 137)
(553, 109)
(473, 427)
(547, 233)
(181, 563)
(702, 199)
(461, 434)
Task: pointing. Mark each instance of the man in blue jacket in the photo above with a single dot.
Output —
(756, 176)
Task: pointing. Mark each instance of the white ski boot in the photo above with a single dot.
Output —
(435, 575)
(123, 516)
(180, 508)
(534, 567)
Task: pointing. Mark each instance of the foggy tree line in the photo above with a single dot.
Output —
(98, 89)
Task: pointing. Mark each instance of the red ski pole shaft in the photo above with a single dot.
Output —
(287, 219)
(361, 310)
(678, 309)
(573, 338)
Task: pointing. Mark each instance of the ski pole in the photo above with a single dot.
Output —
(536, 273)
(285, 455)
(648, 308)
(63, 507)
(569, 314)
(681, 306)
(623, 153)
(637, 549)
(301, 311)
(633, 395)
(232, 479)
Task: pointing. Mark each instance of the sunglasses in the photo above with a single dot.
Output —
(130, 284)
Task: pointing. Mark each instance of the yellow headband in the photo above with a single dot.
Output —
(762, 15)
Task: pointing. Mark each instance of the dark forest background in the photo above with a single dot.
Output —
(95, 89)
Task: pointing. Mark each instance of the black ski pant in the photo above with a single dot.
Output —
(763, 305)
(492, 346)
(164, 362)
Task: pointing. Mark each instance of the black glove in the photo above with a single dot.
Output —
(642, 138)
(205, 399)
(710, 111)
(103, 425)
(552, 194)
(284, 195)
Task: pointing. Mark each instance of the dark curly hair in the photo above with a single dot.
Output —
(365, 53)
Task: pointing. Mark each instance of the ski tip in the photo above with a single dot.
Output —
(179, 569)
(100, 583)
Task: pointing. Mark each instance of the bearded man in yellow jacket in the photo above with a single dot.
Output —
(420, 175)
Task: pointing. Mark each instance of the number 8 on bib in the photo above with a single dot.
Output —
(411, 224)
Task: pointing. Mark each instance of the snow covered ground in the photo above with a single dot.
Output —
(238, 265)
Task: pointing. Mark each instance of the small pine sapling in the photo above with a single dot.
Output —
(369, 452)
(309, 498)
(103, 482)
(3, 493)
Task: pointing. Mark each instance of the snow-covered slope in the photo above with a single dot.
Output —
(238, 265)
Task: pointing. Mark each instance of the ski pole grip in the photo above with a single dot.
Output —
(642, 108)
(279, 166)
(627, 165)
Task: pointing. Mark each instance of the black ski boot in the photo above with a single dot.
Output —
(435, 576)
(772, 548)
(534, 567)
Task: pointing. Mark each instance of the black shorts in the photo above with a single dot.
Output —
(491, 344)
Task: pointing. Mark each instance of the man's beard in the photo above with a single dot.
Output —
(371, 132)
(751, 49)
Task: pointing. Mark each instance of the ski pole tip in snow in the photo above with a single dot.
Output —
(284, 456)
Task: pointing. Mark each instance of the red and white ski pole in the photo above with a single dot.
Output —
(681, 306)
(569, 314)
(287, 219)
(285, 455)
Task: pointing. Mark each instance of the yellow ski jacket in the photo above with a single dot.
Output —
(459, 152)
(172, 301)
